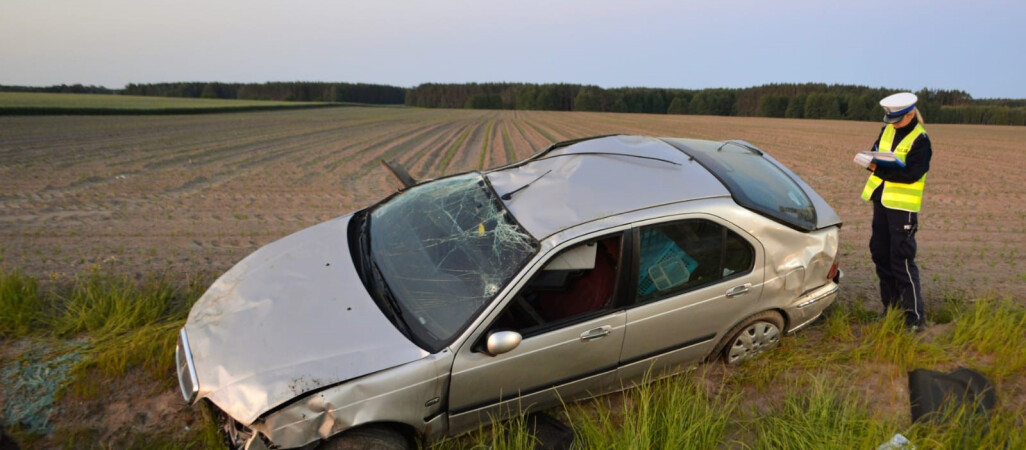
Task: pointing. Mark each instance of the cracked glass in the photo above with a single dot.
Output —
(444, 250)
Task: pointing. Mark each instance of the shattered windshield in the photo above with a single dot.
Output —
(444, 250)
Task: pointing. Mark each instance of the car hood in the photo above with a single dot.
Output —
(289, 318)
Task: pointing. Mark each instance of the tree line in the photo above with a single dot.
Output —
(806, 100)
(299, 91)
(60, 89)
(283, 91)
(785, 100)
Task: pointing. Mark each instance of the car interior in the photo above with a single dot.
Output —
(566, 288)
(581, 280)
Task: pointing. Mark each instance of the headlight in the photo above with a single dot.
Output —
(186, 369)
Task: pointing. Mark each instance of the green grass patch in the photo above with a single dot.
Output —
(107, 305)
(125, 323)
(675, 412)
(818, 412)
(512, 434)
(816, 390)
(35, 103)
(511, 157)
(996, 328)
(965, 427)
(21, 306)
(452, 151)
(484, 145)
(888, 342)
(543, 132)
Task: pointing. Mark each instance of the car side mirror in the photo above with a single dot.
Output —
(503, 341)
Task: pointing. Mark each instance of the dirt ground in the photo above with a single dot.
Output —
(189, 194)
(184, 194)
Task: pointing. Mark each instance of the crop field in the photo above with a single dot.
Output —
(184, 196)
(37, 102)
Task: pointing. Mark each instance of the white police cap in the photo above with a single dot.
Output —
(897, 105)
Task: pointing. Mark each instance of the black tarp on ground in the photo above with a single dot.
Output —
(550, 433)
(932, 392)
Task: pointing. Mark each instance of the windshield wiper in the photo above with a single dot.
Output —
(389, 304)
(377, 288)
(509, 194)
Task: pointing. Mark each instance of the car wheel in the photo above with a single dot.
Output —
(752, 337)
(370, 437)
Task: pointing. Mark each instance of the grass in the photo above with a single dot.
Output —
(670, 413)
(127, 323)
(20, 304)
(20, 103)
(808, 393)
(817, 412)
(996, 328)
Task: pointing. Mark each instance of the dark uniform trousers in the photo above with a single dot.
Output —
(893, 248)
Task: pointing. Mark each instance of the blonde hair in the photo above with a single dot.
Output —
(919, 116)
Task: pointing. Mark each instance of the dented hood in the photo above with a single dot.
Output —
(289, 318)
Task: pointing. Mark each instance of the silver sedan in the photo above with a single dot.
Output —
(477, 296)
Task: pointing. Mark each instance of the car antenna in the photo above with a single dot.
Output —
(509, 194)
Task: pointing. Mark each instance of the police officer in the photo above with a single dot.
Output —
(897, 196)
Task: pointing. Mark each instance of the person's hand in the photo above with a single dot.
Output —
(872, 167)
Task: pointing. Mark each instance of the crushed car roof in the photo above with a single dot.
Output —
(598, 178)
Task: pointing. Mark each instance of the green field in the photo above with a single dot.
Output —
(19, 103)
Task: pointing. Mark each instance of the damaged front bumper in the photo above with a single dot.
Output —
(407, 396)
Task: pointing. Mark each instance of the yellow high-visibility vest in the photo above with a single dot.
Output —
(903, 196)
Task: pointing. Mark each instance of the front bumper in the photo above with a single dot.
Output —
(186, 368)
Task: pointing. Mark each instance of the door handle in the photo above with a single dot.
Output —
(738, 290)
(595, 333)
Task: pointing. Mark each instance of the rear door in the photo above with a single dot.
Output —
(694, 279)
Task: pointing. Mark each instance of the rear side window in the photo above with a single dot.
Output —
(757, 184)
(681, 256)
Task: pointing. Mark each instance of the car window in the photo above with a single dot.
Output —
(684, 255)
(444, 249)
(754, 181)
(758, 184)
(577, 282)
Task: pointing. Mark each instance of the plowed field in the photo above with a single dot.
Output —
(197, 193)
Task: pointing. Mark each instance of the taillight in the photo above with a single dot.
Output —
(835, 270)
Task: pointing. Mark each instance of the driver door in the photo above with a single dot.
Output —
(572, 331)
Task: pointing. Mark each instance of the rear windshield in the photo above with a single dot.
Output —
(756, 183)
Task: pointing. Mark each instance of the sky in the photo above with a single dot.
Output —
(975, 46)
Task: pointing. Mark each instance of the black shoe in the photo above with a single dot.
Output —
(915, 326)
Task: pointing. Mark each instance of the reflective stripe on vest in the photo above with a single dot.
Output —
(903, 196)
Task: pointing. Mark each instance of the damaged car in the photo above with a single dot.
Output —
(482, 295)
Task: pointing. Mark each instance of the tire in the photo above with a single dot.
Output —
(369, 437)
(752, 337)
